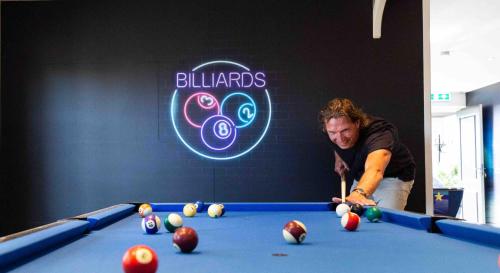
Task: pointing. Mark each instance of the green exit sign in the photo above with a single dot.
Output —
(441, 97)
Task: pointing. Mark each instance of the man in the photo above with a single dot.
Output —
(368, 148)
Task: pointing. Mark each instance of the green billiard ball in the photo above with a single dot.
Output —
(373, 214)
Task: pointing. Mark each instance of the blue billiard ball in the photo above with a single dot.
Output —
(200, 206)
(223, 210)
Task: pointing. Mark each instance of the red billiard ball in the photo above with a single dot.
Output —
(185, 239)
(140, 259)
(350, 221)
(294, 232)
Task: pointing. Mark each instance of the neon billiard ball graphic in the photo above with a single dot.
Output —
(205, 103)
(220, 110)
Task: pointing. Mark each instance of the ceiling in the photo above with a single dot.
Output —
(465, 44)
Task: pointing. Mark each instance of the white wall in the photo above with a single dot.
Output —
(445, 108)
(445, 130)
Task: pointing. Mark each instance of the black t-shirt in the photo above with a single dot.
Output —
(379, 134)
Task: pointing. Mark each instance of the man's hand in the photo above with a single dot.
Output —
(340, 166)
(355, 198)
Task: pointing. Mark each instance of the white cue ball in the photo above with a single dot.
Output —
(342, 209)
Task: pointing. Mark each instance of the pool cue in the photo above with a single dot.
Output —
(342, 186)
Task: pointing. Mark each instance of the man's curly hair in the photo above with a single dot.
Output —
(341, 107)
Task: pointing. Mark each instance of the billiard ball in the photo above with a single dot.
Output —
(358, 209)
(140, 259)
(151, 224)
(342, 209)
(214, 211)
(145, 210)
(185, 239)
(222, 209)
(373, 214)
(172, 222)
(350, 221)
(189, 210)
(294, 232)
(200, 206)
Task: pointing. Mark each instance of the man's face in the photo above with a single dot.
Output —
(342, 131)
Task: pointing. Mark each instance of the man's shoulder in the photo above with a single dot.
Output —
(378, 124)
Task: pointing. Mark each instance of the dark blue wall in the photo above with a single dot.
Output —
(86, 87)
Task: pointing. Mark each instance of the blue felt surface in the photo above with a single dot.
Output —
(467, 231)
(244, 241)
(409, 219)
(22, 247)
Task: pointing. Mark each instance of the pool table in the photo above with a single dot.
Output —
(248, 238)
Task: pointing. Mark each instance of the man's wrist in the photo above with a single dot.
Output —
(361, 192)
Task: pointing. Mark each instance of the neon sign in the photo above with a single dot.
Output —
(220, 110)
(221, 79)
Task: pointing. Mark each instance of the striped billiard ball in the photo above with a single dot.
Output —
(172, 222)
(294, 232)
(350, 221)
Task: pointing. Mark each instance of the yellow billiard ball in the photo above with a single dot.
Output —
(189, 210)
